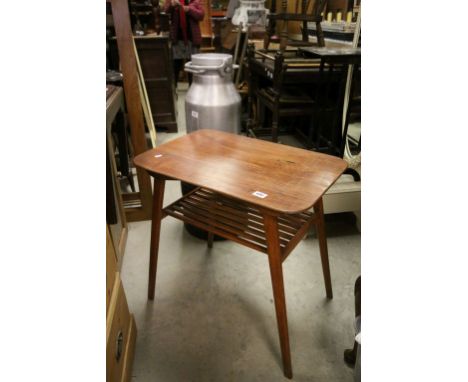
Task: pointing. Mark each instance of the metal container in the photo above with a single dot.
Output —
(212, 102)
(251, 12)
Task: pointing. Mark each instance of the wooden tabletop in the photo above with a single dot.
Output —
(274, 176)
(335, 52)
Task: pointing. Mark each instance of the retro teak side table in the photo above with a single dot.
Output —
(250, 191)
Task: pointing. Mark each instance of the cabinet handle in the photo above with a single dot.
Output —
(119, 341)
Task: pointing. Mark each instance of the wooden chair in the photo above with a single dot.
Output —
(302, 15)
(282, 99)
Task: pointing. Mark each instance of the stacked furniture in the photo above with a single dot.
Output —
(306, 82)
(281, 91)
(327, 135)
(300, 14)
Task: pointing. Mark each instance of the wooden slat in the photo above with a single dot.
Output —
(233, 211)
(132, 204)
(240, 205)
(296, 239)
(214, 209)
(225, 218)
(294, 221)
(216, 231)
(222, 220)
(235, 214)
(254, 220)
(222, 225)
(241, 209)
(238, 221)
(131, 196)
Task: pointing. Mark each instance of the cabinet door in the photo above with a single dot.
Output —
(118, 329)
(111, 267)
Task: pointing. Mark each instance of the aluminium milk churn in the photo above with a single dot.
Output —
(212, 102)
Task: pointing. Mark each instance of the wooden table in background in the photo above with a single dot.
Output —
(250, 191)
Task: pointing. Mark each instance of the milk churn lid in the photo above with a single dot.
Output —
(211, 59)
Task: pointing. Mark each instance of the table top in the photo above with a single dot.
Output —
(277, 177)
(294, 75)
(334, 52)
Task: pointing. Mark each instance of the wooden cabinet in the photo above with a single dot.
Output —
(156, 63)
(115, 213)
(120, 324)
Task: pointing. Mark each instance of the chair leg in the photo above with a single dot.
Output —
(320, 36)
(260, 115)
(158, 196)
(276, 271)
(284, 32)
(322, 239)
(270, 31)
(274, 125)
(284, 38)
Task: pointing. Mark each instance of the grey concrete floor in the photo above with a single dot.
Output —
(213, 317)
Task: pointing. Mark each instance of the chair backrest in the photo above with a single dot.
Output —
(300, 14)
(282, 63)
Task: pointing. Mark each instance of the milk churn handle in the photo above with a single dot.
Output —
(197, 69)
(194, 68)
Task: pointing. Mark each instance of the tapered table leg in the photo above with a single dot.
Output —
(158, 196)
(276, 271)
(322, 239)
(274, 125)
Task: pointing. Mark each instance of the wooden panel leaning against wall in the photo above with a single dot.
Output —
(120, 324)
(123, 31)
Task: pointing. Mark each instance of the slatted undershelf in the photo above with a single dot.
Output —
(238, 221)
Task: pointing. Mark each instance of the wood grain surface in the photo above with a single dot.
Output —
(293, 179)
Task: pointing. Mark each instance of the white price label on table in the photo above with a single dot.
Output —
(259, 194)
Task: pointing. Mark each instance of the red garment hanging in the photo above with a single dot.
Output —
(183, 23)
